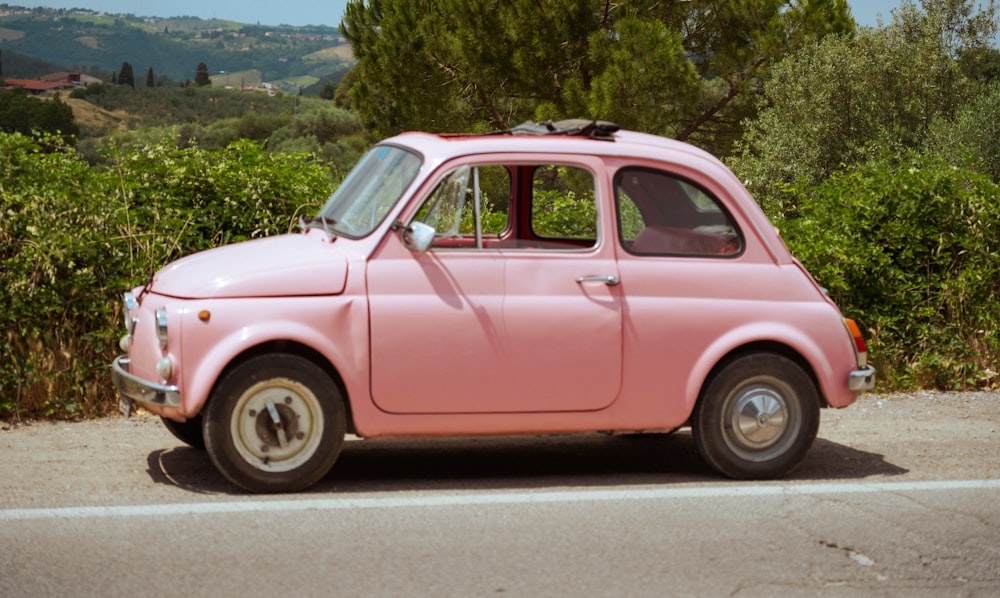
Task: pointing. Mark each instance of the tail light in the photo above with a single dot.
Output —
(860, 348)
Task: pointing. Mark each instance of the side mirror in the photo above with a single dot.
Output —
(419, 236)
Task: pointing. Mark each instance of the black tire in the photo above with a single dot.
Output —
(240, 432)
(757, 418)
(190, 432)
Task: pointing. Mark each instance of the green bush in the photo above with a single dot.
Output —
(191, 199)
(54, 260)
(911, 248)
(73, 237)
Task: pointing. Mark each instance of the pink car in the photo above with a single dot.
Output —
(558, 278)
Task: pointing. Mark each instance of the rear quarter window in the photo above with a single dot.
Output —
(660, 214)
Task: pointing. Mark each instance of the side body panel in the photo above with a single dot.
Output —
(492, 331)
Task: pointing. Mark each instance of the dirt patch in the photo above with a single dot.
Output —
(931, 435)
(89, 41)
(96, 120)
(7, 35)
(341, 52)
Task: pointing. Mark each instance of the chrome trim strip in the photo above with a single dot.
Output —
(142, 391)
(161, 327)
(131, 304)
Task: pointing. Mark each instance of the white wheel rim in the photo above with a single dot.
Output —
(277, 448)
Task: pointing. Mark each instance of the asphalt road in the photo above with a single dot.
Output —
(898, 497)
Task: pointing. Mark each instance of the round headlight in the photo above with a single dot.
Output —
(165, 368)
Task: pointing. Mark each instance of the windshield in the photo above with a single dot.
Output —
(368, 193)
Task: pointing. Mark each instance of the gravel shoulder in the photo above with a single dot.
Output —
(112, 461)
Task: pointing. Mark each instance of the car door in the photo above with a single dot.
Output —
(495, 317)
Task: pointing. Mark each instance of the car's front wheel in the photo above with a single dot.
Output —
(757, 417)
(189, 432)
(275, 423)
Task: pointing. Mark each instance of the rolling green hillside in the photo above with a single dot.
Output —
(88, 41)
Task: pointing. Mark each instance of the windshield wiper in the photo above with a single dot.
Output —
(308, 221)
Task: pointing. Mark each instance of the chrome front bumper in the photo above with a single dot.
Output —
(142, 391)
(862, 380)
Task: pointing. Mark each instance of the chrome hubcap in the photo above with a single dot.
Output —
(760, 421)
(759, 416)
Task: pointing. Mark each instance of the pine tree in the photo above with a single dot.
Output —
(690, 70)
(201, 78)
(125, 75)
(150, 79)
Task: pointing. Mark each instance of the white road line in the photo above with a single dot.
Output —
(395, 500)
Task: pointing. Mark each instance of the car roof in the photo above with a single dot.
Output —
(609, 140)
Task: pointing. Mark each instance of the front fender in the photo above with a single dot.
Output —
(326, 325)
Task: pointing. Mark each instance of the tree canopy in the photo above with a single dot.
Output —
(21, 113)
(843, 100)
(689, 70)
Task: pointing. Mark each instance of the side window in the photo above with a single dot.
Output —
(660, 214)
(563, 204)
(444, 208)
(494, 185)
(469, 204)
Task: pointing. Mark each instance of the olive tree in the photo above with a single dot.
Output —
(871, 154)
(842, 100)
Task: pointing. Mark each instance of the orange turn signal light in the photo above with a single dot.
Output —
(859, 340)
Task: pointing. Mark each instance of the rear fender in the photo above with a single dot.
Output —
(763, 334)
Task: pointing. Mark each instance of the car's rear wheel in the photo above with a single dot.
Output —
(757, 418)
(275, 423)
(189, 432)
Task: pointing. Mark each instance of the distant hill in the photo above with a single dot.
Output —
(20, 66)
(89, 41)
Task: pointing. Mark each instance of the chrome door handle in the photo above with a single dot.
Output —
(608, 280)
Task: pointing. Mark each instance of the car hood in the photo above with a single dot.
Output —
(281, 266)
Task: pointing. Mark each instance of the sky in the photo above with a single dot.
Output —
(265, 12)
(307, 12)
